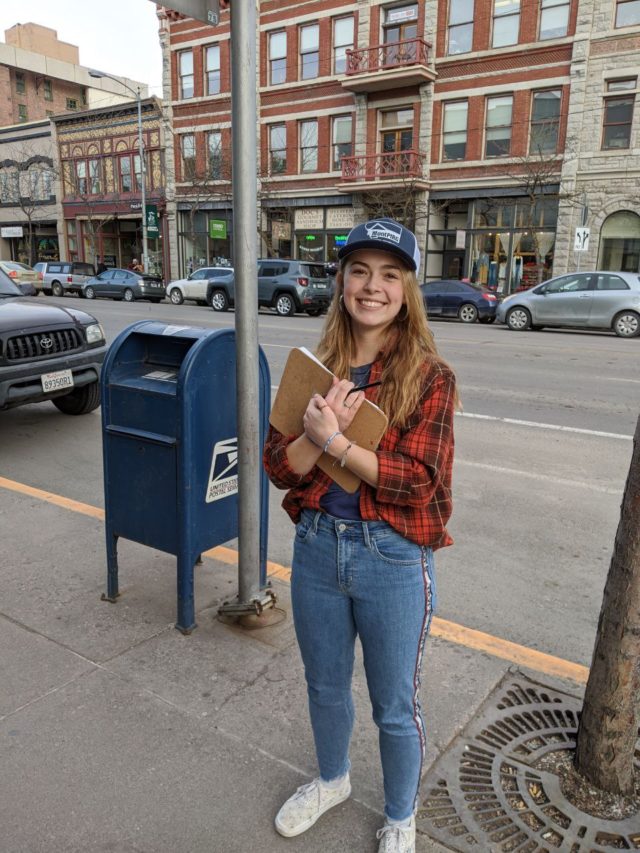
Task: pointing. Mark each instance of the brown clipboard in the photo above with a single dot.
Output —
(304, 376)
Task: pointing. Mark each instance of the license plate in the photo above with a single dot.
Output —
(57, 380)
(321, 286)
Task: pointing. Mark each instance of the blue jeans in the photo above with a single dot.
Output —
(356, 578)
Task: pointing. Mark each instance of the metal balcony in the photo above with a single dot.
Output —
(388, 66)
(392, 170)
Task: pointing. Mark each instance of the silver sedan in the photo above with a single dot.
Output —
(583, 300)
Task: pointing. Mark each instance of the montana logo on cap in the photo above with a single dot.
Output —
(383, 231)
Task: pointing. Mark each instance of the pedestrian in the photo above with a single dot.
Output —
(135, 266)
(102, 267)
(363, 562)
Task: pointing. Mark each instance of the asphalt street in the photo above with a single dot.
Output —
(543, 447)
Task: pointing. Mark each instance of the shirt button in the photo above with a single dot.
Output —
(342, 528)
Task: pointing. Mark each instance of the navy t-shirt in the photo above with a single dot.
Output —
(336, 501)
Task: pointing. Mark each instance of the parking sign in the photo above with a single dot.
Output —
(581, 243)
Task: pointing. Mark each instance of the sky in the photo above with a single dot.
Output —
(118, 36)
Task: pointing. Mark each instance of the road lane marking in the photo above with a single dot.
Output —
(617, 379)
(544, 478)
(441, 628)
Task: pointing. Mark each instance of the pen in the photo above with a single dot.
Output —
(362, 387)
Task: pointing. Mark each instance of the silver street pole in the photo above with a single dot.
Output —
(143, 188)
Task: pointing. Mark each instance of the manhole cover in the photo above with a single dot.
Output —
(485, 793)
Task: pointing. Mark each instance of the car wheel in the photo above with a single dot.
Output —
(487, 320)
(284, 305)
(128, 295)
(219, 301)
(89, 293)
(56, 289)
(518, 319)
(176, 296)
(468, 313)
(627, 324)
(80, 401)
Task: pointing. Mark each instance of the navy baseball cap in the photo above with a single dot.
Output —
(386, 235)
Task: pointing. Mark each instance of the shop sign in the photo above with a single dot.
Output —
(217, 229)
(135, 205)
(12, 231)
(152, 220)
(308, 218)
(394, 16)
(340, 217)
(340, 239)
(281, 230)
(461, 237)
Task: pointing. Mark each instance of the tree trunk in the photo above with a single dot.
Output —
(608, 727)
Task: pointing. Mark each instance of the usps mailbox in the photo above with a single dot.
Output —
(170, 447)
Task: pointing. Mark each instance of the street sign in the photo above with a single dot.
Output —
(202, 10)
(581, 242)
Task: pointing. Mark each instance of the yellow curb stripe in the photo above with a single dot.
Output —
(440, 628)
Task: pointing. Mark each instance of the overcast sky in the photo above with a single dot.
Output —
(118, 36)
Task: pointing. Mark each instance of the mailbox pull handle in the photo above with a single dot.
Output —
(137, 434)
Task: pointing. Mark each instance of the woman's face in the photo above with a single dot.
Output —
(372, 288)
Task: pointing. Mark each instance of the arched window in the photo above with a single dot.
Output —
(620, 242)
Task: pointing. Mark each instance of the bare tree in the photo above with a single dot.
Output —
(608, 728)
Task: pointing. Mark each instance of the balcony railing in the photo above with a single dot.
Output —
(393, 165)
(382, 57)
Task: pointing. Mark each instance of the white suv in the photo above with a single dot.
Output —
(196, 286)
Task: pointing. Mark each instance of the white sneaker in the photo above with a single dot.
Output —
(397, 839)
(308, 803)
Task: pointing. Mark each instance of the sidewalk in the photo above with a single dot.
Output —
(119, 734)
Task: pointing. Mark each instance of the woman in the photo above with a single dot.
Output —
(363, 563)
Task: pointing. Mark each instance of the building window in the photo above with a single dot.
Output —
(342, 145)
(460, 32)
(277, 58)
(21, 86)
(397, 130)
(545, 122)
(46, 183)
(554, 19)
(124, 167)
(400, 23)
(454, 135)
(188, 146)
(72, 104)
(498, 129)
(618, 114)
(137, 172)
(81, 177)
(185, 61)
(214, 154)
(342, 42)
(309, 51)
(277, 149)
(627, 13)
(506, 22)
(212, 70)
(309, 146)
(94, 177)
(48, 90)
(22, 112)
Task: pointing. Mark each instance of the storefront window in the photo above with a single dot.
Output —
(310, 247)
(493, 212)
(620, 246)
(489, 260)
(537, 213)
(532, 260)
(334, 243)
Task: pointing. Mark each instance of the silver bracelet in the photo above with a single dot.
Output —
(343, 458)
(329, 440)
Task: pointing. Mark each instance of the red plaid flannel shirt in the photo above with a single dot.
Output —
(414, 467)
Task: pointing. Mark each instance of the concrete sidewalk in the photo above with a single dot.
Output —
(119, 734)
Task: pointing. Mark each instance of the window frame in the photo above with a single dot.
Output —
(278, 58)
(503, 16)
(47, 87)
(343, 46)
(188, 172)
(212, 74)
(534, 122)
(72, 103)
(125, 173)
(336, 162)
(272, 128)
(94, 175)
(184, 75)
(80, 175)
(304, 167)
(314, 51)
(23, 114)
(621, 5)
(459, 25)
(214, 174)
(21, 83)
(445, 132)
(622, 93)
(545, 6)
(488, 127)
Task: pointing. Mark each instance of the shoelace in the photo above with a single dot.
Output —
(309, 788)
(393, 833)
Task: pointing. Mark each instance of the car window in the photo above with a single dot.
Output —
(219, 273)
(83, 269)
(432, 287)
(39, 267)
(106, 276)
(568, 284)
(313, 270)
(198, 275)
(130, 277)
(611, 282)
(119, 275)
(272, 268)
(55, 268)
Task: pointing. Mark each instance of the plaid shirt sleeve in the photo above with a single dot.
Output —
(420, 462)
(276, 463)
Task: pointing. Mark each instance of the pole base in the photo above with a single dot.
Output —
(265, 600)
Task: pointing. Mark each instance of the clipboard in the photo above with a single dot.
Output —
(303, 376)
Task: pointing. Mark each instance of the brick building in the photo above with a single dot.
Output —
(99, 204)
(452, 115)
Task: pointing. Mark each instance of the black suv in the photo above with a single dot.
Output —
(288, 286)
(48, 353)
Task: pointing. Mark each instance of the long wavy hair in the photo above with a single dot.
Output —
(409, 344)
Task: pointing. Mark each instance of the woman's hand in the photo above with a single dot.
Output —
(343, 404)
(319, 421)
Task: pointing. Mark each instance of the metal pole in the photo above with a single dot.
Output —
(245, 262)
(143, 188)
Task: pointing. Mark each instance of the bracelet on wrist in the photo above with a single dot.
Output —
(330, 439)
(343, 458)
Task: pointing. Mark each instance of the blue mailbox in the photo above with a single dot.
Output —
(170, 447)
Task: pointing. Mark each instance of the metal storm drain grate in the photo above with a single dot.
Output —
(485, 793)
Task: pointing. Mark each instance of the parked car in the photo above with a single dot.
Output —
(124, 284)
(464, 300)
(583, 300)
(198, 285)
(286, 285)
(28, 279)
(60, 277)
(48, 353)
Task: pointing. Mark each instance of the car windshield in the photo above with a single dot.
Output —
(7, 287)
